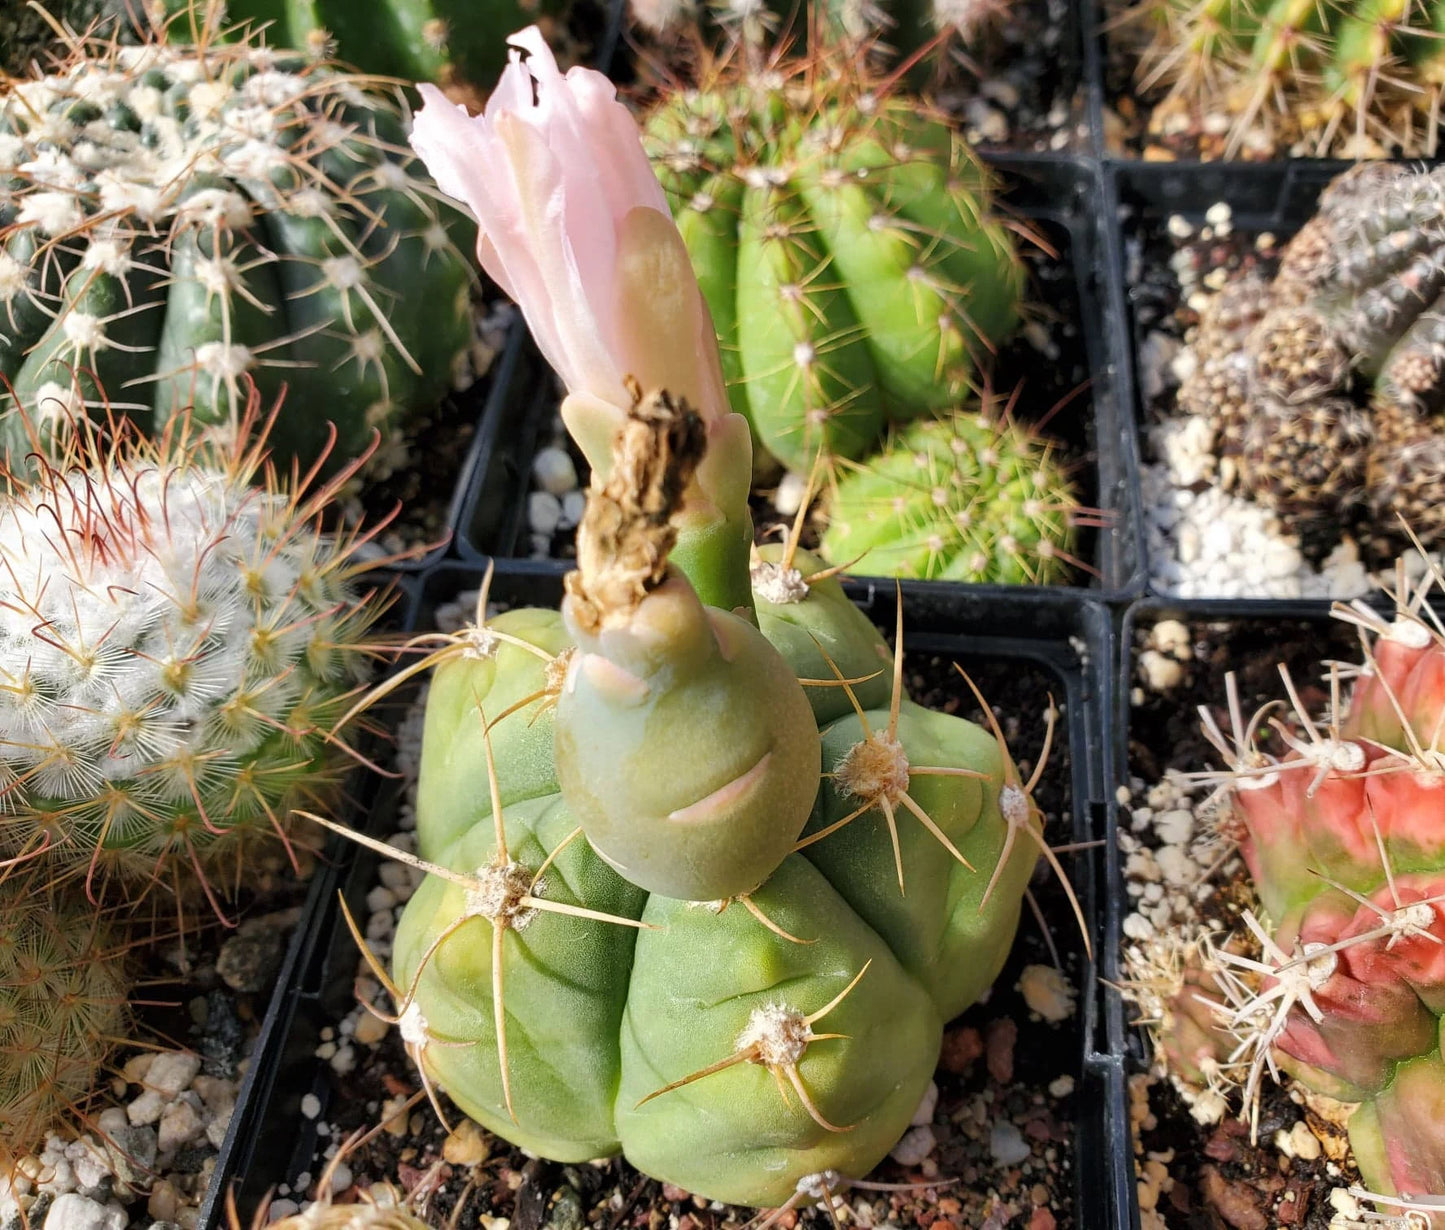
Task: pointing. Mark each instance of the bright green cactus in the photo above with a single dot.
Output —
(686, 939)
(177, 223)
(969, 498)
(844, 240)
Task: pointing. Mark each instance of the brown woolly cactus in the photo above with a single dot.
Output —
(1325, 386)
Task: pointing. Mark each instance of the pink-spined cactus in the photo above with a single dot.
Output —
(1342, 829)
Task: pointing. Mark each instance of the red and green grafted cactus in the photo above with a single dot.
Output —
(1342, 829)
(669, 834)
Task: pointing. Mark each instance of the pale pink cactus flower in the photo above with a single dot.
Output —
(576, 229)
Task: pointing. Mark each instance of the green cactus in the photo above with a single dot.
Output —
(844, 240)
(708, 907)
(970, 498)
(180, 223)
(451, 42)
(63, 1005)
(1338, 978)
(1326, 387)
(1362, 77)
(177, 641)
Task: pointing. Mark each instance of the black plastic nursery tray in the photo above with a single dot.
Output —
(1150, 724)
(1263, 199)
(1064, 199)
(1067, 652)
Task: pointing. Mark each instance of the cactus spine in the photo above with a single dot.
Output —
(178, 223)
(969, 498)
(1337, 978)
(63, 996)
(178, 640)
(1362, 77)
(845, 244)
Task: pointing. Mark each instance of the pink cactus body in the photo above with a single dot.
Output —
(1344, 837)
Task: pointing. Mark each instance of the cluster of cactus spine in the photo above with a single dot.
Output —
(177, 640)
(1338, 978)
(976, 498)
(178, 223)
(1325, 386)
(845, 242)
(715, 970)
(1363, 76)
(63, 1004)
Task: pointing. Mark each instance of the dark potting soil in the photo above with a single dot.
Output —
(1005, 1082)
(1214, 1175)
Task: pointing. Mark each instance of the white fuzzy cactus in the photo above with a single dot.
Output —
(175, 645)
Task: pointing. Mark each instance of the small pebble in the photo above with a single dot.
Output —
(172, 1071)
(72, 1211)
(917, 1144)
(544, 512)
(1048, 992)
(310, 1106)
(554, 471)
(1006, 1144)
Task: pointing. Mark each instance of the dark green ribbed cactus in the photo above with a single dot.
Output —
(1326, 386)
(176, 224)
(846, 245)
(969, 498)
(667, 912)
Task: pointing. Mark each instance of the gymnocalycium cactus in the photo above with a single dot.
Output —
(1340, 979)
(1326, 386)
(178, 222)
(845, 242)
(1361, 78)
(63, 1004)
(679, 929)
(968, 498)
(177, 640)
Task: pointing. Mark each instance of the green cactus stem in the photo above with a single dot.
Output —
(179, 224)
(968, 498)
(1361, 78)
(844, 241)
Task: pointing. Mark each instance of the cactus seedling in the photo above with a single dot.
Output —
(970, 498)
(177, 223)
(1324, 386)
(177, 638)
(845, 242)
